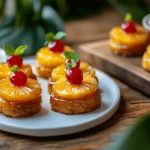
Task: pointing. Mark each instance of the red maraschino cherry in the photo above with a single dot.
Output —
(129, 26)
(18, 78)
(14, 60)
(74, 75)
(56, 46)
(54, 42)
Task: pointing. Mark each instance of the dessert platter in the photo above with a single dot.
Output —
(53, 93)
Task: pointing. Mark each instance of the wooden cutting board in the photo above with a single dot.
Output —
(127, 69)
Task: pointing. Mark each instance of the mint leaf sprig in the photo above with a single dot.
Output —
(71, 65)
(51, 37)
(14, 68)
(128, 17)
(11, 51)
(73, 57)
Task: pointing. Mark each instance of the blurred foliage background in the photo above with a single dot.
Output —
(31, 19)
(73, 9)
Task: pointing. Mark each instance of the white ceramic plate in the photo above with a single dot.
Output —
(49, 123)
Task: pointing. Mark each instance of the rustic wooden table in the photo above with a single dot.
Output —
(133, 103)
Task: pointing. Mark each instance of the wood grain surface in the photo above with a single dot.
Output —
(133, 103)
(128, 69)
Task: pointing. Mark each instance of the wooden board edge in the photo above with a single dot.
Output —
(105, 66)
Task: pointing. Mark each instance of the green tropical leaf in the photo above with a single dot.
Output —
(138, 8)
(25, 34)
(136, 138)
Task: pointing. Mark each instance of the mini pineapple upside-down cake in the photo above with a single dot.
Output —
(76, 92)
(50, 56)
(20, 96)
(15, 59)
(59, 71)
(146, 59)
(129, 39)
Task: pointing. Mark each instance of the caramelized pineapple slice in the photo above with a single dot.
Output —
(130, 39)
(6, 72)
(50, 59)
(28, 93)
(59, 72)
(63, 89)
(146, 59)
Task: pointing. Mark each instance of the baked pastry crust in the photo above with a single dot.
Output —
(5, 71)
(76, 106)
(43, 71)
(18, 110)
(20, 101)
(59, 72)
(75, 99)
(46, 61)
(128, 44)
(146, 59)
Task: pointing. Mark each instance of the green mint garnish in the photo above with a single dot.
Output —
(71, 65)
(20, 50)
(72, 55)
(51, 37)
(60, 35)
(11, 51)
(128, 17)
(14, 68)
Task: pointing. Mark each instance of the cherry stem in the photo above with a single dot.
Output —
(128, 17)
(14, 68)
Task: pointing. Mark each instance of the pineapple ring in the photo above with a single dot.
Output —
(128, 44)
(146, 59)
(129, 39)
(50, 59)
(63, 89)
(59, 72)
(28, 93)
(6, 72)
